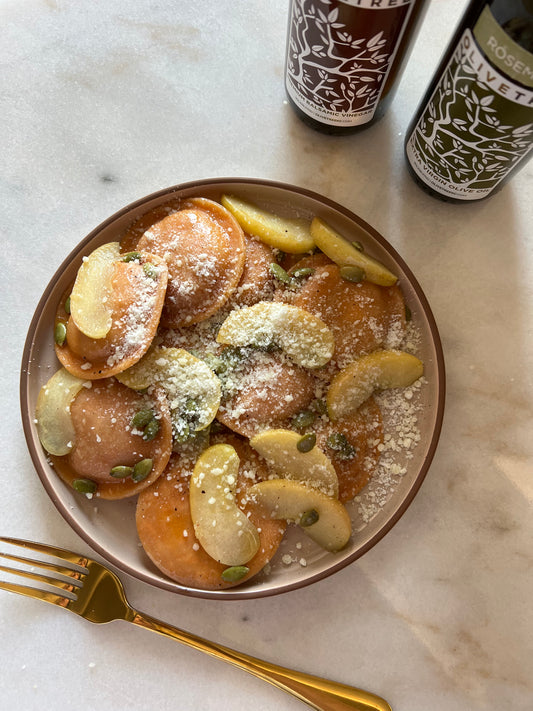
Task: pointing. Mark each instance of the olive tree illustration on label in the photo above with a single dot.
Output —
(476, 127)
(339, 55)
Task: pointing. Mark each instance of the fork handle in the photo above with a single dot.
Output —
(320, 694)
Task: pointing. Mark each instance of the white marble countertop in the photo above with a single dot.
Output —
(104, 102)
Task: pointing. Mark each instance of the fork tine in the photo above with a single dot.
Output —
(60, 600)
(48, 550)
(42, 564)
(56, 582)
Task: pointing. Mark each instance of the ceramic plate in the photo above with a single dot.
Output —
(109, 526)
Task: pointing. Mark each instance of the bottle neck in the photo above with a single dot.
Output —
(515, 17)
(506, 44)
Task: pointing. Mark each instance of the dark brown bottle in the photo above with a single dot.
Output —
(474, 127)
(345, 59)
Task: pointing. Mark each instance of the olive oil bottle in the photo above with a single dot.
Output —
(474, 127)
(345, 58)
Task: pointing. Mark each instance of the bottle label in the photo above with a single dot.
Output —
(339, 55)
(478, 123)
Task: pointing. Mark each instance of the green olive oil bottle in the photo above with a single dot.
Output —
(474, 127)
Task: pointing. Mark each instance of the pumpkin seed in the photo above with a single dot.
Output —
(280, 273)
(150, 270)
(121, 471)
(181, 431)
(347, 452)
(269, 348)
(408, 313)
(308, 518)
(190, 407)
(236, 572)
(336, 441)
(228, 359)
(131, 257)
(141, 470)
(84, 486)
(303, 273)
(350, 272)
(67, 305)
(306, 443)
(60, 333)
(303, 419)
(142, 418)
(339, 444)
(232, 356)
(320, 406)
(151, 430)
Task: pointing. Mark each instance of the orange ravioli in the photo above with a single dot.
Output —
(363, 431)
(203, 246)
(105, 438)
(265, 390)
(257, 281)
(166, 529)
(130, 239)
(136, 301)
(362, 315)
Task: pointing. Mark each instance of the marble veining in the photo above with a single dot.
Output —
(103, 103)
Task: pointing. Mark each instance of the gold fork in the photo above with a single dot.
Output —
(94, 592)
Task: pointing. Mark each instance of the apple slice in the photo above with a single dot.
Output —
(343, 253)
(321, 517)
(288, 234)
(192, 389)
(280, 449)
(52, 413)
(142, 374)
(305, 338)
(223, 530)
(90, 298)
(376, 371)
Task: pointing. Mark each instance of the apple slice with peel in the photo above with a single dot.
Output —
(376, 371)
(223, 530)
(280, 449)
(305, 338)
(321, 517)
(288, 234)
(342, 252)
(90, 298)
(192, 389)
(54, 423)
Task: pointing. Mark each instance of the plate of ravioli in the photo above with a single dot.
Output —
(232, 388)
